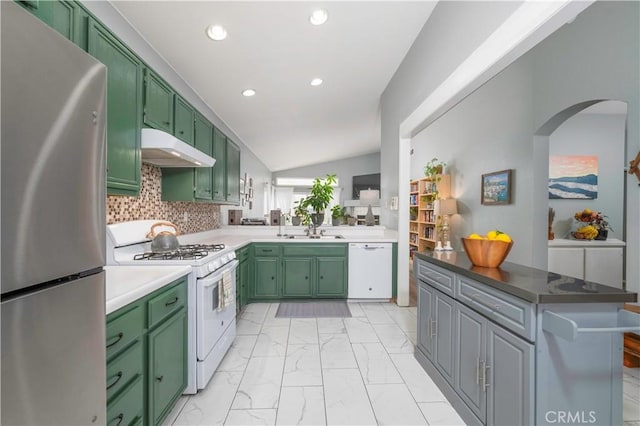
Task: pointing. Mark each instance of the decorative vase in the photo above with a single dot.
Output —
(351, 221)
(551, 235)
(369, 219)
(317, 218)
(335, 221)
(602, 234)
(295, 220)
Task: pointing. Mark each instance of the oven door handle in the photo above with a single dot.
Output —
(216, 277)
(211, 281)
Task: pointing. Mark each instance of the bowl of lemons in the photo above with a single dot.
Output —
(488, 251)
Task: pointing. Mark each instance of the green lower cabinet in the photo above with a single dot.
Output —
(127, 408)
(297, 277)
(243, 276)
(147, 357)
(332, 277)
(167, 365)
(296, 270)
(266, 278)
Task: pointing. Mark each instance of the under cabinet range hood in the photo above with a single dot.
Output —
(164, 150)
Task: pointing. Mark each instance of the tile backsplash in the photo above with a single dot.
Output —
(189, 217)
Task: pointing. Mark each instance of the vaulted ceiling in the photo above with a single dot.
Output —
(272, 48)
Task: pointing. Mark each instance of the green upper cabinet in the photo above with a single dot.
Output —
(233, 173)
(183, 121)
(219, 169)
(158, 102)
(204, 143)
(124, 109)
(62, 16)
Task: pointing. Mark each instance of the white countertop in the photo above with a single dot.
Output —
(235, 237)
(126, 284)
(609, 242)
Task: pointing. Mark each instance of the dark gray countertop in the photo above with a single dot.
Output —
(533, 285)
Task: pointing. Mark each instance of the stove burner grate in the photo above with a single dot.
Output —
(184, 252)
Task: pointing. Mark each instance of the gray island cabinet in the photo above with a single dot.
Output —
(521, 346)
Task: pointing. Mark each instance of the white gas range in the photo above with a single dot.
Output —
(211, 329)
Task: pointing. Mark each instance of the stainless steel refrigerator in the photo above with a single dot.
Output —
(52, 226)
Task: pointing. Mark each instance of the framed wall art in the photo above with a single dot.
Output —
(573, 177)
(496, 188)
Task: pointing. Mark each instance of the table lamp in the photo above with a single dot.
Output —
(368, 197)
(446, 208)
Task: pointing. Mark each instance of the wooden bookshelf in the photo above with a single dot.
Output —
(422, 195)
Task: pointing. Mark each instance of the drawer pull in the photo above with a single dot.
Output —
(120, 417)
(173, 302)
(267, 250)
(119, 337)
(118, 377)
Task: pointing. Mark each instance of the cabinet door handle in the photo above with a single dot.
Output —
(477, 371)
(181, 132)
(166, 122)
(120, 335)
(485, 368)
(432, 328)
(118, 377)
(306, 277)
(173, 302)
(322, 277)
(273, 278)
(159, 379)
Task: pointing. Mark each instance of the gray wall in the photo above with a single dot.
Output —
(601, 135)
(345, 169)
(595, 57)
(109, 16)
(453, 31)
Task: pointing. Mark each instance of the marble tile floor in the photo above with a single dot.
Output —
(331, 371)
(324, 371)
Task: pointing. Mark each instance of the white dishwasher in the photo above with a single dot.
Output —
(370, 266)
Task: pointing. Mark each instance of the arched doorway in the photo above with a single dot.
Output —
(592, 129)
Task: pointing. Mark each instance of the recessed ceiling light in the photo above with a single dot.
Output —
(316, 82)
(216, 32)
(248, 92)
(318, 17)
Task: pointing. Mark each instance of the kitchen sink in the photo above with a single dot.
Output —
(312, 237)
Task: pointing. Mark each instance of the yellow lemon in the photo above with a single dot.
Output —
(586, 211)
(503, 237)
(491, 235)
(475, 237)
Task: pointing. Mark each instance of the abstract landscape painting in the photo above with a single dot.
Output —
(573, 177)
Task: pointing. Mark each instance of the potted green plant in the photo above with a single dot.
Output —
(301, 215)
(434, 167)
(320, 197)
(337, 215)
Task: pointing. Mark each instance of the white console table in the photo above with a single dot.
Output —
(590, 260)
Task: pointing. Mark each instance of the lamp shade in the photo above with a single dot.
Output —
(447, 207)
(369, 197)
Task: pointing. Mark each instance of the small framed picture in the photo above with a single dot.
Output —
(496, 188)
